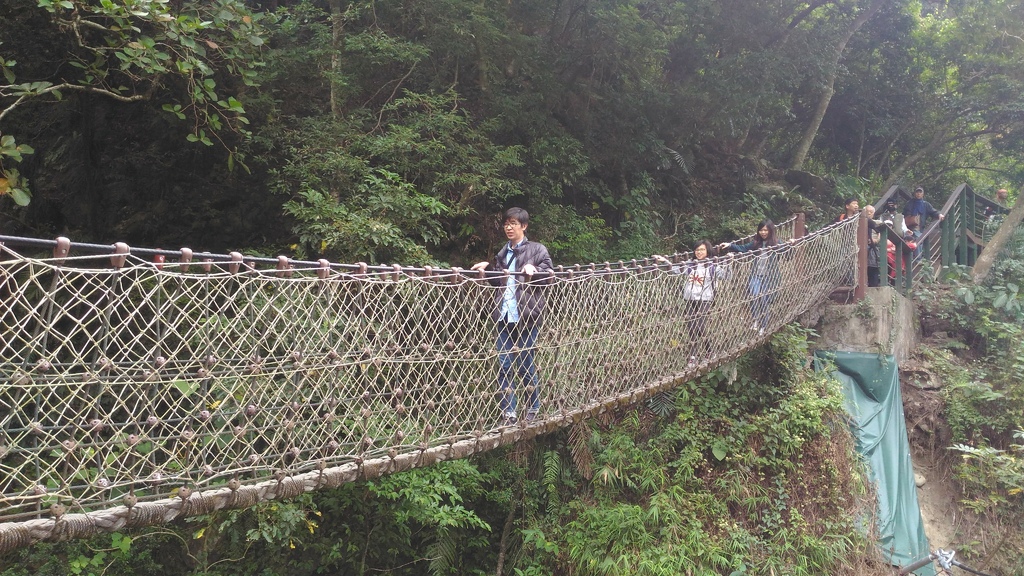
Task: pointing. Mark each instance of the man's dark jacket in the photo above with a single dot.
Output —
(921, 208)
(530, 297)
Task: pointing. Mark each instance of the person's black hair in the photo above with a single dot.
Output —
(848, 200)
(518, 214)
(707, 244)
(770, 240)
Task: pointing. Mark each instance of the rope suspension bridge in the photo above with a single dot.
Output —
(146, 385)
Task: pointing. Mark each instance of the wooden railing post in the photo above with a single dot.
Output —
(800, 226)
(860, 290)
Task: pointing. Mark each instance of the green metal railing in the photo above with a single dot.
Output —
(956, 239)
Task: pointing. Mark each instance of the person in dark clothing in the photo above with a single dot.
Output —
(765, 277)
(917, 211)
(891, 215)
(916, 214)
(874, 237)
(519, 310)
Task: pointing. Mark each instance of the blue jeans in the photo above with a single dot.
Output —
(917, 239)
(515, 356)
(760, 300)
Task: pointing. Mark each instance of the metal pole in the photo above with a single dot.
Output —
(963, 228)
(947, 255)
(899, 263)
(972, 221)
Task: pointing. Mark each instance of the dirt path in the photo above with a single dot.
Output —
(929, 435)
(937, 498)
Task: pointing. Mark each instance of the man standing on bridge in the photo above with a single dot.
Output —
(519, 309)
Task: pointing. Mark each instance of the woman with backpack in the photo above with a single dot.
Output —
(701, 273)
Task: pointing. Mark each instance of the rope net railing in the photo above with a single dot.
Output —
(134, 393)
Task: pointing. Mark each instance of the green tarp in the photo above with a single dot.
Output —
(871, 387)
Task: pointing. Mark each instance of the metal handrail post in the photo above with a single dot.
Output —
(908, 278)
(899, 263)
(963, 228)
(972, 221)
(944, 244)
(883, 254)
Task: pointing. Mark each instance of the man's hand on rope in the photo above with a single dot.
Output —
(480, 266)
(529, 269)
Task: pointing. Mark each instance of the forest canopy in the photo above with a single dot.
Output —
(397, 131)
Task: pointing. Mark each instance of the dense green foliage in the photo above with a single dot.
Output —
(983, 375)
(397, 130)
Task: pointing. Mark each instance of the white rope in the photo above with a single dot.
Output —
(132, 382)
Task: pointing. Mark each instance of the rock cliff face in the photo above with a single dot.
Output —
(883, 323)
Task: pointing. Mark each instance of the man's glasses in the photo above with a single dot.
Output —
(510, 224)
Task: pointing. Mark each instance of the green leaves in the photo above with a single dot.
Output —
(186, 387)
(718, 449)
(200, 137)
(1007, 298)
(128, 49)
(11, 182)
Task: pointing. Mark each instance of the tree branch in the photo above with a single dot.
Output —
(75, 87)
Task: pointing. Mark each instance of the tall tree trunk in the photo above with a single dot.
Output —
(337, 35)
(503, 544)
(826, 96)
(1006, 229)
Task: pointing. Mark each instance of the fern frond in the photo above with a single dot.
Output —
(582, 457)
(552, 471)
(680, 160)
(443, 553)
(662, 404)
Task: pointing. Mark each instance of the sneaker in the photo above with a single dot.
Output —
(760, 331)
(692, 362)
(531, 415)
(509, 420)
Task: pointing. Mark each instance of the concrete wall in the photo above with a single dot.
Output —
(884, 322)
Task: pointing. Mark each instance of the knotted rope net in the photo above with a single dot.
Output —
(134, 393)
